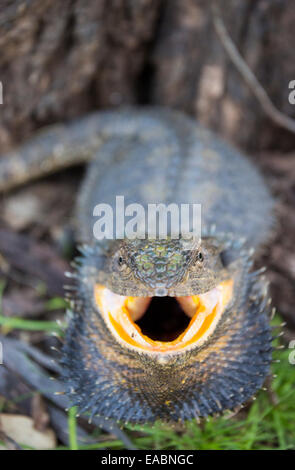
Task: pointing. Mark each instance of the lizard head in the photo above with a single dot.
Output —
(161, 295)
(162, 267)
(199, 346)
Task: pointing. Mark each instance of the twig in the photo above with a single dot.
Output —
(9, 442)
(35, 259)
(273, 398)
(265, 102)
(32, 374)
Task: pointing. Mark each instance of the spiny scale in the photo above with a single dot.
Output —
(221, 376)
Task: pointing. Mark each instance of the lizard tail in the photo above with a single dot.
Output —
(74, 143)
(53, 149)
(58, 147)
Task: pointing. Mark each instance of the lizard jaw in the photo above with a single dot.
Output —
(121, 312)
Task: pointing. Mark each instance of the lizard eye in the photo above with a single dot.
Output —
(200, 256)
(120, 265)
(121, 262)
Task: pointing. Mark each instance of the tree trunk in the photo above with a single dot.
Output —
(62, 58)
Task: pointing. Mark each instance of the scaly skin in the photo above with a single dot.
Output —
(160, 156)
(108, 378)
(149, 155)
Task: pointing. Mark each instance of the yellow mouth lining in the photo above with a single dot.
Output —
(120, 314)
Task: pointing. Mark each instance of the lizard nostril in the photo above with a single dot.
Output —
(161, 292)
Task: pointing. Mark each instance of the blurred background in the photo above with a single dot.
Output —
(60, 59)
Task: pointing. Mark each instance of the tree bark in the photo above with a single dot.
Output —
(63, 58)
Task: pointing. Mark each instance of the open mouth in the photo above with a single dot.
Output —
(163, 324)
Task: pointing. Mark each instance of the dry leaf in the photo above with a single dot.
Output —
(21, 430)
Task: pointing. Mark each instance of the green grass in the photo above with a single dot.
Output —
(262, 425)
(16, 323)
(72, 422)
